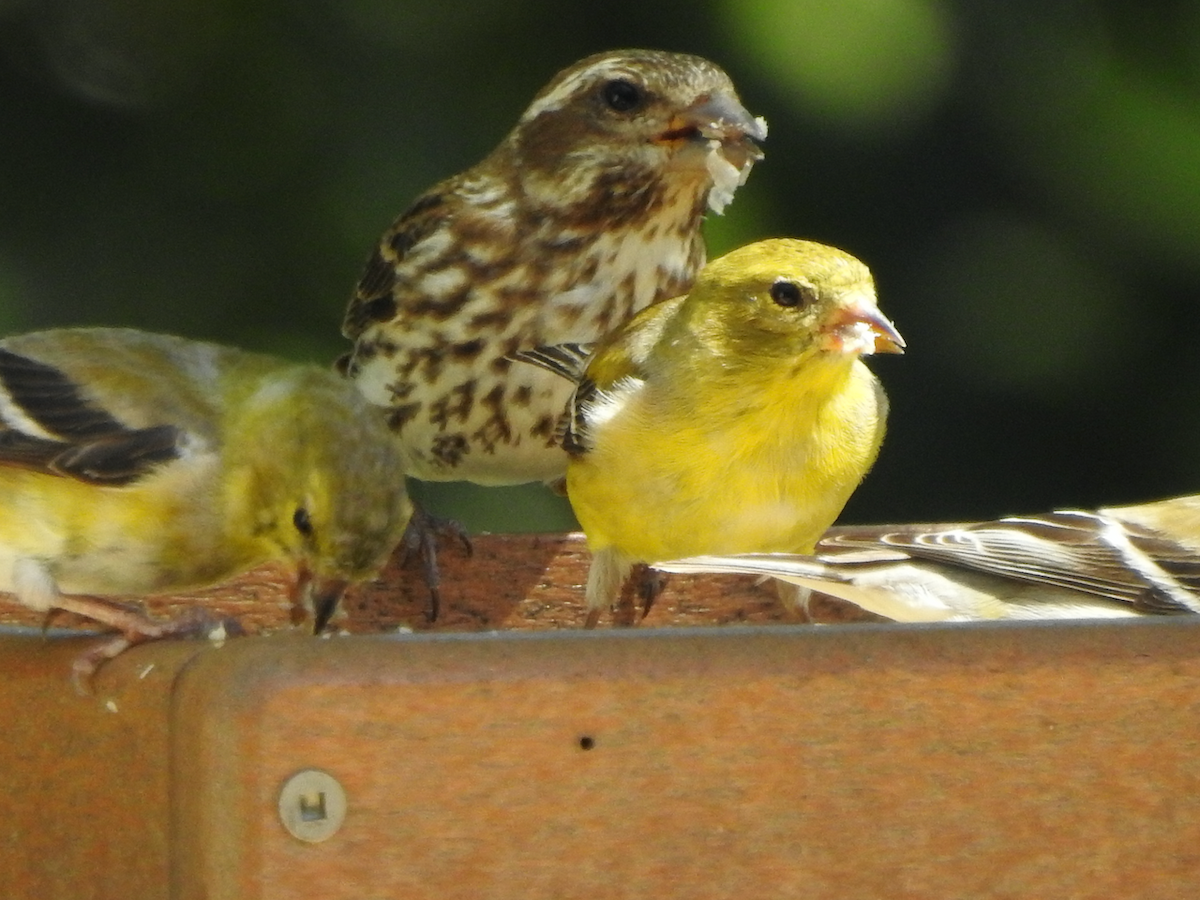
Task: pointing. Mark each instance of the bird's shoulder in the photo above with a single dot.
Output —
(618, 368)
(464, 220)
(635, 349)
(373, 299)
(1176, 517)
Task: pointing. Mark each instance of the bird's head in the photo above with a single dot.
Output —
(789, 298)
(319, 482)
(632, 121)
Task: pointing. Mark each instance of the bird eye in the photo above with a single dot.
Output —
(302, 521)
(622, 95)
(787, 293)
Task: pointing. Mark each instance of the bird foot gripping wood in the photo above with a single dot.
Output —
(421, 538)
(638, 594)
(134, 627)
(650, 583)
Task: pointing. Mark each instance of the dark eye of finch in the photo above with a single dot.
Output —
(622, 95)
(303, 523)
(786, 293)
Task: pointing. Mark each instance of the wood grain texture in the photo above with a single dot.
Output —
(1000, 761)
(86, 779)
(866, 761)
(993, 761)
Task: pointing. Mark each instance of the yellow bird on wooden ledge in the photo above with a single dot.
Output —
(134, 463)
(736, 418)
(1070, 564)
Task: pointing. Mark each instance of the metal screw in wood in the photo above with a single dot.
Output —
(312, 805)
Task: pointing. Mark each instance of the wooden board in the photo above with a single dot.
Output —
(769, 760)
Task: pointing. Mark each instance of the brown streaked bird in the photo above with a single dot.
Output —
(1071, 564)
(587, 212)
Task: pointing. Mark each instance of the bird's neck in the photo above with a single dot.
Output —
(730, 381)
(609, 243)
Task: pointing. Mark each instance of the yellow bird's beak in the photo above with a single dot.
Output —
(326, 596)
(859, 327)
(318, 596)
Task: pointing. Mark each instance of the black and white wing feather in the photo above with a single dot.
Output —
(48, 425)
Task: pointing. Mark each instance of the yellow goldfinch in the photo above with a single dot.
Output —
(736, 418)
(135, 463)
(1070, 564)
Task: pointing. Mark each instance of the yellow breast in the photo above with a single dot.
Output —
(130, 540)
(763, 467)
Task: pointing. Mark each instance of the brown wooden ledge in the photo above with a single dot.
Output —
(512, 581)
(859, 761)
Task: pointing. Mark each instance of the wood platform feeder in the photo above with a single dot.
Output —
(755, 757)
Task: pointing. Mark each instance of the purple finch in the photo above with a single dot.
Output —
(587, 212)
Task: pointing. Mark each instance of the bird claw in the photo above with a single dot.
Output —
(639, 589)
(421, 538)
(139, 628)
(650, 583)
(85, 666)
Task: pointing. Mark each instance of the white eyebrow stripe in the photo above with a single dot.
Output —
(558, 97)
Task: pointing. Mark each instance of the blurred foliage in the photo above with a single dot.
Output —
(1022, 177)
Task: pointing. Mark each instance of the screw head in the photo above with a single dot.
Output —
(312, 805)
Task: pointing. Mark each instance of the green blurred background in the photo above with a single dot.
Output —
(1023, 178)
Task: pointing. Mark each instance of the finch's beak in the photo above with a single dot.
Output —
(859, 327)
(318, 596)
(720, 117)
(326, 596)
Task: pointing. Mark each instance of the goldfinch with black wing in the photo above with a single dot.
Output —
(135, 463)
